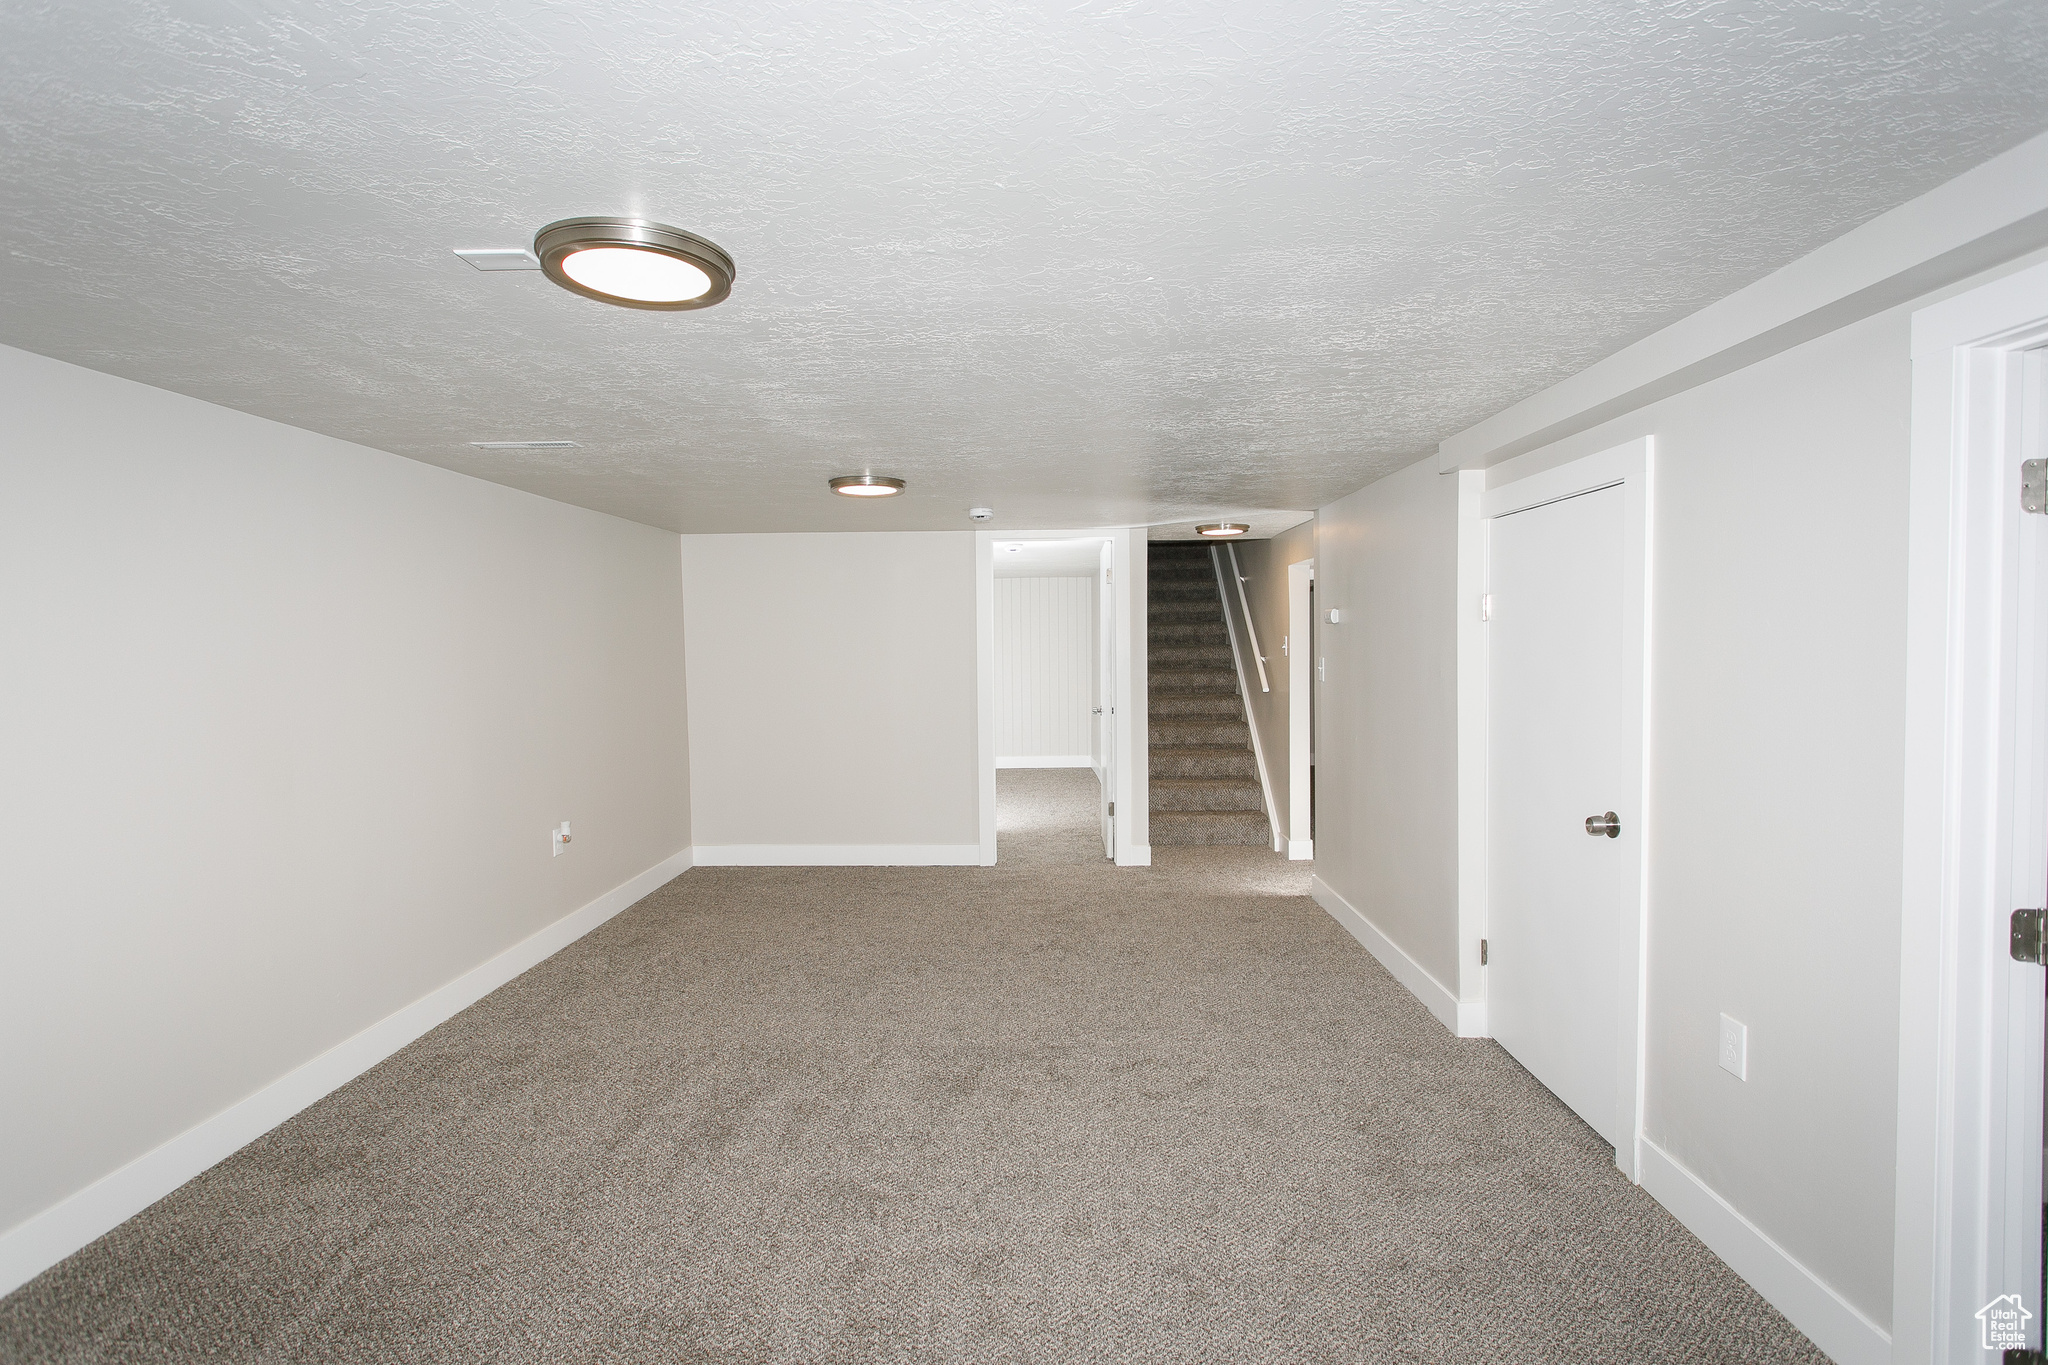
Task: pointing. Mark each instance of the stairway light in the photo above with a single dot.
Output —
(1223, 528)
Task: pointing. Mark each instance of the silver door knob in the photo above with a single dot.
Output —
(1608, 824)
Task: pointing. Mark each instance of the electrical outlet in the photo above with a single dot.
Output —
(1735, 1048)
(561, 838)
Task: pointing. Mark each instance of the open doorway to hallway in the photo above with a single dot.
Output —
(1057, 612)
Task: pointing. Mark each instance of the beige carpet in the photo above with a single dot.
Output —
(1043, 1112)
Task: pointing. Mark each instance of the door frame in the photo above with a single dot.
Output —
(1127, 583)
(1516, 486)
(1301, 738)
(1969, 788)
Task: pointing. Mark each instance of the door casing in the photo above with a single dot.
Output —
(1515, 486)
(1966, 1216)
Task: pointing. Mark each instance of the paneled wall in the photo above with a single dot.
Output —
(1044, 671)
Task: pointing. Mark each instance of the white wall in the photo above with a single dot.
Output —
(1776, 787)
(286, 722)
(1045, 671)
(1776, 744)
(1387, 742)
(833, 696)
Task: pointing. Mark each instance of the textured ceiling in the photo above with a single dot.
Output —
(1087, 263)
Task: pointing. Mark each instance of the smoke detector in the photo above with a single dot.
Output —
(981, 513)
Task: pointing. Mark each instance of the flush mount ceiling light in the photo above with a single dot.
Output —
(634, 263)
(527, 445)
(866, 486)
(1222, 528)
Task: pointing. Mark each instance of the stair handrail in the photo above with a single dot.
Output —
(1246, 607)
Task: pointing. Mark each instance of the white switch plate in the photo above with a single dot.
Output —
(559, 837)
(1735, 1048)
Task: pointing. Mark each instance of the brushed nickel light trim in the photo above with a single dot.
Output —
(556, 243)
(1222, 528)
(866, 486)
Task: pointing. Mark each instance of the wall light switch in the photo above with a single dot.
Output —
(561, 838)
(1735, 1048)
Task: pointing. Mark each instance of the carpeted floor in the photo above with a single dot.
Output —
(1048, 1111)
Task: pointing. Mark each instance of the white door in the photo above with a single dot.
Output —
(1559, 897)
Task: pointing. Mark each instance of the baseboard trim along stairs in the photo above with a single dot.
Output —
(31, 1247)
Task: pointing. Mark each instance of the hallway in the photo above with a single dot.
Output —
(1046, 1111)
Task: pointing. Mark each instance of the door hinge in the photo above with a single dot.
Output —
(1486, 606)
(2034, 486)
(1482, 952)
(1112, 810)
(2026, 935)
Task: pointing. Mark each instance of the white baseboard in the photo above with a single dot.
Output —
(1466, 1020)
(1829, 1320)
(1046, 761)
(33, 1246)
(1134, 855)
(1301, 850)
(839, 855)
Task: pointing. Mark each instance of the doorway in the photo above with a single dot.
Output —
(1300, 645)
(1056, 623)
(1564, 599)
(1969, 1216)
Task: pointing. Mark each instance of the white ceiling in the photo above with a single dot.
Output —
(1088, 263)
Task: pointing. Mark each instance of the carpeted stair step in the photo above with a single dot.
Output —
(1160, 633)
(1194, 680)
(1208, 705)
(1205, 733)
(1206, 793)
(1205, 779)
(1208, 614)
(1184, 828)
(1162, 658)
(1195, 760)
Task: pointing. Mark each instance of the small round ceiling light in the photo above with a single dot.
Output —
(866, 486)
(1222, 528)
(634, 263)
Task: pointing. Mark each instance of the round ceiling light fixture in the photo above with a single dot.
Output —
(634, 263)
(866, 486)
(1222, 528)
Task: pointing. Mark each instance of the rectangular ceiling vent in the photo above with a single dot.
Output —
(527, 445)
(499, 257)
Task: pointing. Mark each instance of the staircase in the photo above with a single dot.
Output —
(1205, 782)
